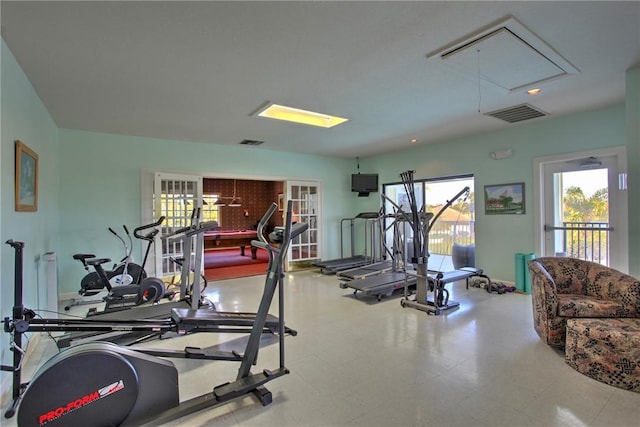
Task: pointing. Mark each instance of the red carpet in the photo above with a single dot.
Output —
(229, 264)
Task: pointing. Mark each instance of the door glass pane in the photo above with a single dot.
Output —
(582, 213)
(176, 200)
(304, 198)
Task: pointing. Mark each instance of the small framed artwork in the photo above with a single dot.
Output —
(280, 202)
(504, 199)
(26, 179)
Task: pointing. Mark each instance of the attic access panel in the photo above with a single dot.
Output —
(505, 54)
(505, 60)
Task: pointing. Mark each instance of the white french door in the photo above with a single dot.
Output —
(176, 197)
(583, 207)
(305, 197)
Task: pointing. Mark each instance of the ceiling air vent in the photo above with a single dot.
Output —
(250, 142)
(518, 113)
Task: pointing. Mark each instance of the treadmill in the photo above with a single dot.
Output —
(386, 277)
(366, 270)
(382, 285)
(333, 266)
(344, 263)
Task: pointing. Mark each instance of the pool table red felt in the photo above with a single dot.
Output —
(231, 238)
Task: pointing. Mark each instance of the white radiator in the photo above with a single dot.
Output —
(51, 280)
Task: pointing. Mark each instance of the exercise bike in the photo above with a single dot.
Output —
(137, 387)
(120, 281)
(149, 290)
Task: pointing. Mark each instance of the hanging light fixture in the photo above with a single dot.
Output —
(235, 201)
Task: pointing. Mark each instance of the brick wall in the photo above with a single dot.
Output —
(256, 197)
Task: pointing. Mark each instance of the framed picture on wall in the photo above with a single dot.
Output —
(280, 202)
(504, 199)
(26, 179)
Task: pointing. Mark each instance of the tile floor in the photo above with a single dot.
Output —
(359, 362)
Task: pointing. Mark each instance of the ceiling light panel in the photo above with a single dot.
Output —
(296, 115)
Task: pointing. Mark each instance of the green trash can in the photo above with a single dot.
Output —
(519, 263)
(523, 279)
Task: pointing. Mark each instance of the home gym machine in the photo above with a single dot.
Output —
(122, 280)
(421, 223)
(136, 387)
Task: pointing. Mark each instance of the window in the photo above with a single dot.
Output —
(210, 210)
(456, 224)
(305, 198)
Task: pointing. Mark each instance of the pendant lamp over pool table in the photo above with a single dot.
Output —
(235, 201)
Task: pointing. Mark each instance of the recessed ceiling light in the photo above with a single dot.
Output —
(414, 140)
(296, 115)
(534, 91)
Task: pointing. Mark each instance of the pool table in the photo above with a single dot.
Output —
(231, 238)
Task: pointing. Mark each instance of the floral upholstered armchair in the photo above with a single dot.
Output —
(563, 288)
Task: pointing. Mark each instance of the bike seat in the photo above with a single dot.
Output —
(98, 261)
(83, 257)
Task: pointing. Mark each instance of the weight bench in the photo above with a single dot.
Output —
(438, 279)
(464, 259)
(465, 273)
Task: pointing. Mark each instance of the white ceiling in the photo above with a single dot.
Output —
(195, 71)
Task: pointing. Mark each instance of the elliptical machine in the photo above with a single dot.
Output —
(137, 387)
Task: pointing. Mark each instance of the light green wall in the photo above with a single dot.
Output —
(24, 117)
(499, 237)
(101, 175)
(632, 108)
(101, 178)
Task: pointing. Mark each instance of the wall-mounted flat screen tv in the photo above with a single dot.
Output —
(364, 182)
